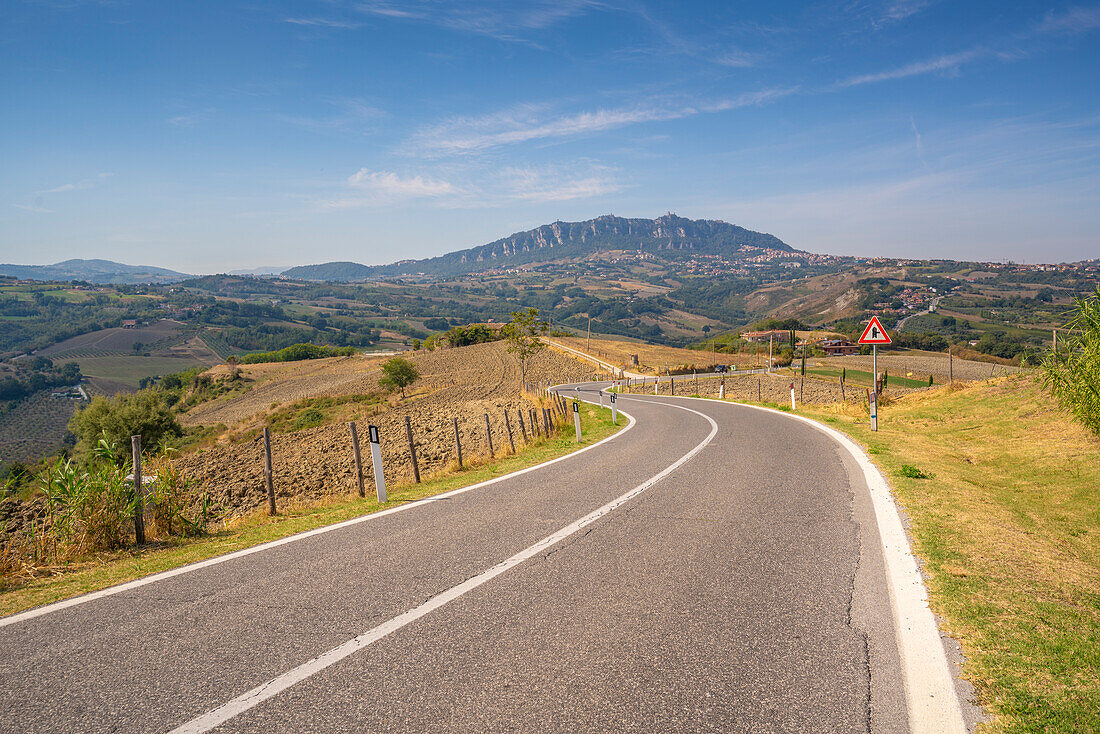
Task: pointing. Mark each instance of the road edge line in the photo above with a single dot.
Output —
(57, 606)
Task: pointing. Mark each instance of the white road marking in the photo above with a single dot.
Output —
(929, 687)
(199, 565)
(273, 687)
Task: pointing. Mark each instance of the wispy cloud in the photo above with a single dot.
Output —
(737, 58)
(554, 184)
(1074, 20)
(349, 115)
(35, 209)
(945, 63)
(464, 135)
(79, 185)
(506, 21)
(324, 23)
(899, 10)
(189, 119)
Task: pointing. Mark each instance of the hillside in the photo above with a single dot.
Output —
(93, 271)
(668, 234)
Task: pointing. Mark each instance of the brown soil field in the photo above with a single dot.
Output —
(466, 383)
(768, 388)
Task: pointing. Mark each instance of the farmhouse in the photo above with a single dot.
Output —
(838, 346)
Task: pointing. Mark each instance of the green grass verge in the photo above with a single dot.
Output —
(1003, 494)
(110, 569)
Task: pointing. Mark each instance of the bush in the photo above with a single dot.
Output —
(1072, 371)
(144, 413)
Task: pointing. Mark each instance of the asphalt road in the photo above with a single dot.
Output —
(743, 591)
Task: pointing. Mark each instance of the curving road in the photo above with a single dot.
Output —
(713, 567)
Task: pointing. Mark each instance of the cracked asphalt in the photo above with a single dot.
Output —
(743, 592)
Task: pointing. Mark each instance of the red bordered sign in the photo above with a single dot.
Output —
(875, 333)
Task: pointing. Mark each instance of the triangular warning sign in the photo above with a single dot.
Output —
(875, 333)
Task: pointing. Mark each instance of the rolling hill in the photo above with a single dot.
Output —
(667, 235)
(94, 271)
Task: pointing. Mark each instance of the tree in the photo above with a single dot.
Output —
(144, 413)
(1071, 372)
(398, 373)
(523, 335)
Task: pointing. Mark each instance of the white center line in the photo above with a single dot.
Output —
(273, 687)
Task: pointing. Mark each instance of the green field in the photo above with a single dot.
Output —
(859, 377)
(130, 369)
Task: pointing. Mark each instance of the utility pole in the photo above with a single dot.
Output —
(588, 344)
(771, 341)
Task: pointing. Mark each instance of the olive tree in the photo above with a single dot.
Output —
(1071, 371)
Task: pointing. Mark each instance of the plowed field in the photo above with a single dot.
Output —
(465, 384)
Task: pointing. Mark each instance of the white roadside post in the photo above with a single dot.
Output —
(722, 389)
(656, 381)
(792, 397)
(376, 461)
(577, 419)
(601, 399)
(614, 411)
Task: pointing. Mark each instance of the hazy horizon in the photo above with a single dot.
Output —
(221, 136)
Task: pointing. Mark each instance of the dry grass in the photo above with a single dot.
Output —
(654, 357)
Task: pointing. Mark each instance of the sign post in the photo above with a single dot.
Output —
(614, 411)
(874, 335)
(376, 460)
(577, 419)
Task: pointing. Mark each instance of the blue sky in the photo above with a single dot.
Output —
(206, 136)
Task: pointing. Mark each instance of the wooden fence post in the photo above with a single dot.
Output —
(546, 421)
(268, 479)
(458, 444)
(139, 492)
(489, 436)
(412, 450)
(522, 428)
(358, 459)
(508, 425)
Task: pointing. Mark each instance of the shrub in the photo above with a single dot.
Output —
(913, 472)
(143, 413)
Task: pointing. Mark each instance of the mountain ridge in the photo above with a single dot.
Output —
(668, 234)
